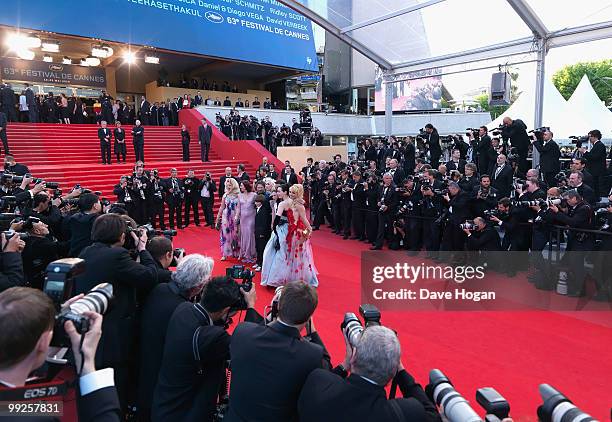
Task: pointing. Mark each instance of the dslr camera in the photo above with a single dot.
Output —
(351, 325)
(239, 272)
(59, 285)
(468, 225)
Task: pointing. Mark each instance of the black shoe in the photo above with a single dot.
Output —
(345, 237)
(315, 228)
(355, 238)
(376, 248)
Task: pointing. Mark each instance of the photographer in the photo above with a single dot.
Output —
(549, 156)
(174, 198)
(196, 350)
(469, 181)
(156, 201)
(483, 238)
(372, 363)
(596, 162)
(27, 318)
(453, 239)
(602, 271)
(484, 196)
(456, 162)
(517, 233)
(328, 192)
(358, 205)
(162, 251)
(41, 248)
(387, 207)
(578, 216)
(501, 177)
(432, 210)
(515, 131)
(78, 226)
(11, 265)
(575, 181)
(13, 167)
(191, 275)
(192, 194)
(207, 198)
(45, 209)
(433, 144)
(277, 356)
(482, 149)
(542, 235)
(579, 164)
(108, 261)
(141, 192)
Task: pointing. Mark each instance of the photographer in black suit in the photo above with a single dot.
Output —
(482, 149)
(108, 261)
(456, 162)
(207, 198)
(78, 226)
(433, 144)
(3, 124)
(387, 204)
(191, 275)
(516, 131)
(483, 239)
(192, 196)
(501, 176)
(175, 198)
(27, 317)
(196, 350)
(549, 157)
(275, 355)
(373, 363)
(575, 181)
(596, 162)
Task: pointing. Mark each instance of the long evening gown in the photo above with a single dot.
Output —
(248, 252)
(229, 237)
(293, 260)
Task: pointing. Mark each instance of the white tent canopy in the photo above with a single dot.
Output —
(585, 100)
(562, 119)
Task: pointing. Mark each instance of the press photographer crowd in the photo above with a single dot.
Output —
(466, 198)
(86, 286)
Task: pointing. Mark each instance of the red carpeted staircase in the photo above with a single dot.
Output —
(70, 154)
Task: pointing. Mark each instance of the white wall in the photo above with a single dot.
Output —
(348, 124)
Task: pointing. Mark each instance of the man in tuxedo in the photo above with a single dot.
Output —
(3, 137)
(174, 198)
(596, 162)
(387, 204)
(204, 137)
(550, 155)
(289, 177)
(308, 169)
(192, 195)
(272, 173)
(263, 224)
(456, 163)
(483, 149)
(239, 103)
(575, 181)
(32, 105)
(409, 157)
(227, 175)
(227, 102)
(275, 355)
(516, 131)
(138, 141)
(145, 112)
(453, 239)
(120, 148)
(7, 97)
(208, 187)
(24, 351)
(396, 172)
(579, 164)
(485, 240)
(104, 135)
(173, 110)
(433, 144)
(198, 100)
(361, 396)
(501, 177)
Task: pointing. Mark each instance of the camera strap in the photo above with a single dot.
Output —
(396, 409)
(194, 343)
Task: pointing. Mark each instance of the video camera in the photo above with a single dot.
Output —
(579, 140)
(351, 325)
(240, 272)
(538, 133)
(474, 132)
(468, 225)
(59, 286)
(498, 130)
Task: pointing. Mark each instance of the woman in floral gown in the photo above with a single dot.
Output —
(248, 252)
(228, 221)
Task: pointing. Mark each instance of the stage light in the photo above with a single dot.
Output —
(25, 54)
(50, 46)
(92, 61)
(102, 51)
(47, 58)
(17, 41)
(129, 57)
(83, 62)
(151, 59)
(66, 60)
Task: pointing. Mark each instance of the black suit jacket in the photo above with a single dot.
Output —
(11, 270)
(326, 397)
(138, 134)
(549, 156)
(204, 134)
(459, 166)
(156, 313)
(390, 199)
(587, 193)
(114, 265)
(461, 209)
(274, 356)
(222, 184)
(103, 134)
(503, 181)
(290, 179)
(398, 176)
(486, 240)
(596, 159)
(263, 221)
(30, 97)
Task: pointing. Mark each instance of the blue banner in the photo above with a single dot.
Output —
(259, 31)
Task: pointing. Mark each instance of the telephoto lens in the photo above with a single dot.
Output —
(453, 406)
(352, 328)
(558, 408)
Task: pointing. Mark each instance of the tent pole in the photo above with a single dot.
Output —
(388, 108)
(539, 97)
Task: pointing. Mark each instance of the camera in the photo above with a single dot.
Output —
(6, 219)
(579, 140)
(9, 234)
(176, 253)
(239, 272)
(538, 133)
(493, 403)
(453, 406)
(557, 407)
(468, 225)
(28, 222)
(8, 201)
(519, 183)
(351, 326)
(602, 219)
(493, 213)
(59, 285)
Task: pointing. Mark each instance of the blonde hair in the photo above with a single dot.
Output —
(299, 193)
(235, 190)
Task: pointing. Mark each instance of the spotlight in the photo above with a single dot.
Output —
(17, 41)
(151, 59)
(92, 61)
(47, 58)
(50, 46)
(25, 54)
(129, 57)
(102, 51)
(66, 60)
(83, 62)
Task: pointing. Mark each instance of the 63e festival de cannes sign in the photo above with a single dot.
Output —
(52, 73)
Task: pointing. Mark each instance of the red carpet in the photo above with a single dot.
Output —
(511, 351)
